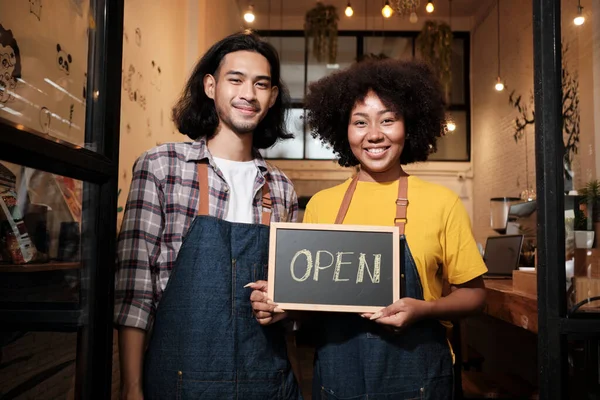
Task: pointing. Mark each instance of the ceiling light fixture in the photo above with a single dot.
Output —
(579, 19)
(349, 11)
(387, 11)
(499, 84)
(249, 15)
(429, 7)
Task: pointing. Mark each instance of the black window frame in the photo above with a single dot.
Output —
(360, 43)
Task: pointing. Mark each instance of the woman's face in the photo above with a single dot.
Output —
(376, 136)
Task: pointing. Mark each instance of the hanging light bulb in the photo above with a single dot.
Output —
(451, 126)
(579, 19)
(429, 7)
(349, 11)
(413, 18)
(499, 85)
(249, 15)
(387, 11)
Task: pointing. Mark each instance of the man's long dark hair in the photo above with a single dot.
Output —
(195, 114)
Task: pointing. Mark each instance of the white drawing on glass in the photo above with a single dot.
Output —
(63, 59)
(45, 118)
(35, 8)
(10, 65)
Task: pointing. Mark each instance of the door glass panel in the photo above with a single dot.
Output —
(43, 68)
(40, 235)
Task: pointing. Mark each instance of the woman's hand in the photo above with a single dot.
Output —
(464, 300)
(265, 311)
(402, 313)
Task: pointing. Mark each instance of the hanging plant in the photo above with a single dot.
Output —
(320, 24)
(435, 46)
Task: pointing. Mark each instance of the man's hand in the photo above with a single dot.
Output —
(132, 393)
(265, 311)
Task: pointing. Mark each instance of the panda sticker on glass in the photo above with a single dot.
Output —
(63, 59)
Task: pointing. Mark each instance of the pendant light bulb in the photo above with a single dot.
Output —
(349, 11)
(499, 85)
(413, 18)
(429, 7)
(249, 15)
(579, 19)
(387, 11)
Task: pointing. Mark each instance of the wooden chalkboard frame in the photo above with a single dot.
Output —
(275, 226)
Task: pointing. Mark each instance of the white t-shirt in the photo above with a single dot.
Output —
(240, 176)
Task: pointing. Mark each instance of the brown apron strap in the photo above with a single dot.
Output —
(401, 202)
(346, 201)
(203, 198)
(203, 188)
(266, 205)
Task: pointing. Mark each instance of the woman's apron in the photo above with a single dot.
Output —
(206, 343)
(359, 359)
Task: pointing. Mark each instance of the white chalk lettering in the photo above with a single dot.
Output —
(362, 263)
(309, 265)
(338, 265)
(318, 263)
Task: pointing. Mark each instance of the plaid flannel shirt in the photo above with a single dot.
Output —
(162, 203)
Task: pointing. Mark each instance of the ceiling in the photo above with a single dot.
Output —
(460, 8)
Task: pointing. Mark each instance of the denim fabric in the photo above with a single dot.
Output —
(358, 359)
(206, 343)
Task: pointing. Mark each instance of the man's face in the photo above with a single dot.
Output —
(242, 90)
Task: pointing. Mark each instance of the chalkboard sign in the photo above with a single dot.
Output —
(327, 267)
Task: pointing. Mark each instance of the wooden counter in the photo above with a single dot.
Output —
(506, 304)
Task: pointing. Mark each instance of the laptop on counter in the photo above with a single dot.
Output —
(501, 255)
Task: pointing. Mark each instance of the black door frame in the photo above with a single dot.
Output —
(553, 320)
(99, 171)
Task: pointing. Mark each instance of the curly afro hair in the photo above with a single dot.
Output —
(410, 88)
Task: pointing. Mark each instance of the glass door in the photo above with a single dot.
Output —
(60, 76)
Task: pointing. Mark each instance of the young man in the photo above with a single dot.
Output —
(195, 232)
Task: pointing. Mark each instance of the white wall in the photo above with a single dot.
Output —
(174, 34)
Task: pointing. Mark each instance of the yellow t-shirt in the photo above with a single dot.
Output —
(438, 228)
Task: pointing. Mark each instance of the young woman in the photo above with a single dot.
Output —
(382, 115)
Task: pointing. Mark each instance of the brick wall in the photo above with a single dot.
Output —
(498, 161)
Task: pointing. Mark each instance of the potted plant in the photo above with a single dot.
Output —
(584, 235)
(320, 24)
(590, 199)
(435, 46)
(589, 204)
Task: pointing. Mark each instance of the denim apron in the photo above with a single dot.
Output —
(359, 359)
(206, 343)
